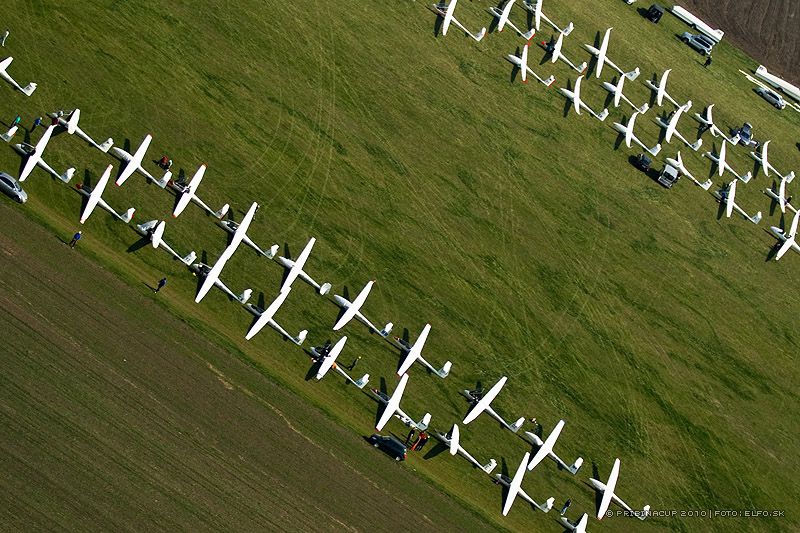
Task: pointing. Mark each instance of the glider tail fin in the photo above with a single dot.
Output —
(755, 219)
(66, 176)
(445, 370)
(106, 146)
(547, 505)
(568, 29)
(603, 114)
(575, 466)
(29, 89)
(11, 131)
(386, 330)
(516, 425)
(222, 212)
(655, 150)
(189, 259)
(632, 75)
(697, 144)
(481, 35)
(164, 180)
(422, 425)
(126, 218)
(549, 81)
(245, 296)
(362, 381)
(746, 178)
(325, 289)
(490, 466)
(273, 251)
(301, 337)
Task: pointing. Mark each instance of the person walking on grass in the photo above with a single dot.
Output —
(708, 61)
(75, 239)
(161, 283)
(36, 123)
(16, 121)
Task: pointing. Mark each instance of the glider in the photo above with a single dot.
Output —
(546, 450)
(133, 163)
(502, 20)
(608, 495)
(671, 129)
(575, 96)
(602, 59)
(33, 155)
(71, 125)
(522, 64)
(266, 316)
(188, 193)
(722, 164)
(482, 403)
(328, 362)
(154, 231)
(789, 239)
(661, 91)
(392, 408)
(514, 486)
(554, 51)
(539, 16)
(452, 441)
(353, 310)
(94, 197)
(616, 90)
(627, 131)
(295, 269)
(414, 354)
(446, 12)
(728, 198)
(4, 64)
(678, 163)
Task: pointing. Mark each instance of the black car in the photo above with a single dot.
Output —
(390, 445)
(642, 162)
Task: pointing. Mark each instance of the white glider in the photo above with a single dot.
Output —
(295, 268)
(206, 272)
(483, 404)
(188, 193)
(414, 354)
(133, 163)
(789, 239)
(535, 7)
(33, 155)
(707, 120)
(661, 91)
(452, 441)
(446, 12)
(608, 495)
(616, 90)
(671, 129)
(722, 164)
(514, 486)
(328, 362)
(546, 450)
(392, 408)
(154, 230)
(575, 96)
(762, 160)
(577, 527)
(602, 59)
(231, 226)
(627, 131)
(780, 196)
(95, 197)
(353, 310)
(728, 198)
(502, 20)
(27, 90)
(678, 163)
(522, 64)
(71, 125)
(265, 317)
(556, 54)
(213, 274)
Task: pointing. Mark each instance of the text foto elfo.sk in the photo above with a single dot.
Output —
(702, 513)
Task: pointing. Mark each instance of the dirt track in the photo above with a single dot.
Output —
(110, 422)
(765, 29)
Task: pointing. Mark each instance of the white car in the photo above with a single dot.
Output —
(772, 97)
(11, 187)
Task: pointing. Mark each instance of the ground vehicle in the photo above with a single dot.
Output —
(390, 445)
(654, 13)
(642, 162)
(699, 42)
(745, 134)
(772, 97)
(669, 176)
(11, 187)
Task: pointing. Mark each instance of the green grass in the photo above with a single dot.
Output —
(534, 249)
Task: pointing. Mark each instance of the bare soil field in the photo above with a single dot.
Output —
(765, 29)
(109, 421)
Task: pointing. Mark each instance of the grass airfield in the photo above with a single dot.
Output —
(658, 332)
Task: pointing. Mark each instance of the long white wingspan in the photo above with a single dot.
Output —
(484, 402)
(268, 314)
(133, 161)
(36, 156)
(188, 193)
(516, 484)
(97, 192)
(790, 239)
(354, 306)
(609, 490)
(547, 446)
(393, 404)
(415, 352)
(215, 271)
(297, 268)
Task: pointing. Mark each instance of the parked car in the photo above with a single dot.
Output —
(654, 13)
(699, 42)
(390, 445)
(669, 176)
(642, 162)
(11, 187)
(772, 97)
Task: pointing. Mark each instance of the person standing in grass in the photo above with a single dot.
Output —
(16, 121)
(161, 283)
(708, 61)
(36, 122)
(75, 239)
